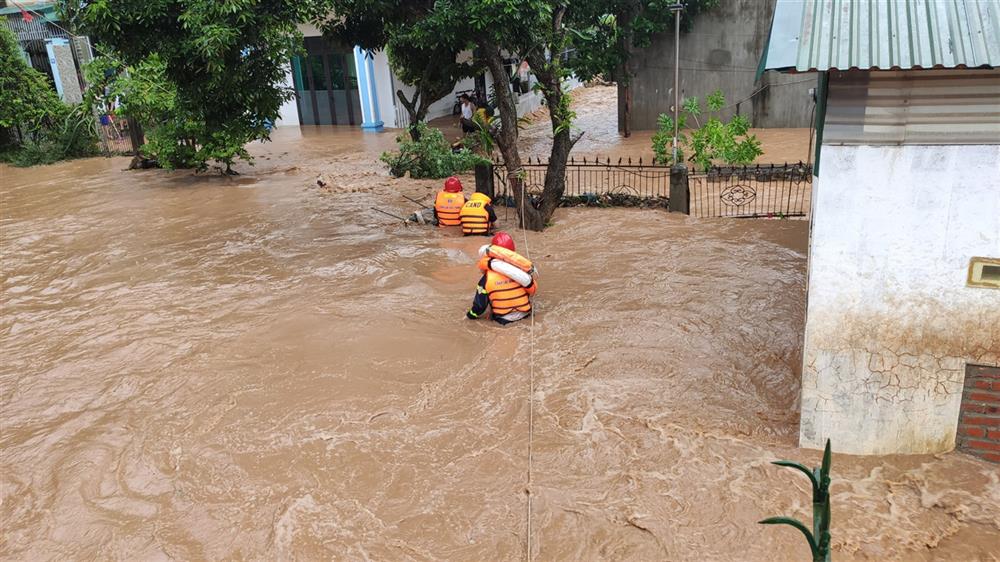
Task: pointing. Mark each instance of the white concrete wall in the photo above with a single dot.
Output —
(384, 81)
(890, 321)
(289, 112)
(308, 30)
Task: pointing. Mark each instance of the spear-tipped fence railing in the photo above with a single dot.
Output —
(764, 190)
(591, 180)
(819, 537)
(761, 190)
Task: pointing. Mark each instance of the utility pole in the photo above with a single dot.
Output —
(677, 9)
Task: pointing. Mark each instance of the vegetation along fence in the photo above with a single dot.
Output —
(766, 190)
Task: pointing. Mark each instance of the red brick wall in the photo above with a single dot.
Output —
(979, 419)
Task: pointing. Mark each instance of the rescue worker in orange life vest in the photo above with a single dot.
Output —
(477, 215)
(506, 285)
(449, 202)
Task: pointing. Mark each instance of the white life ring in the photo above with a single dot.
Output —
(511, 272)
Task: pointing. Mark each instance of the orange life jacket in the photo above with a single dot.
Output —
(474, 216)
(510, 256)
(448, 207)
(507, 295)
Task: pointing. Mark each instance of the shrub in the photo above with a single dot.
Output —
(429, 157)
(175, 137)
(70, 135)
(715, 141)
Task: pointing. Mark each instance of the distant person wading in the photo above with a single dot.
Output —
(468, 110)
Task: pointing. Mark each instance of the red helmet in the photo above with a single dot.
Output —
(503, 239)
(453, 185)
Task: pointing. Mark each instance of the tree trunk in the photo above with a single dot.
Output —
(562, 141)
(506, 137)
(411, 110)
(425, 105)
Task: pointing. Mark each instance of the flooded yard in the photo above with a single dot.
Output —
(202, 367)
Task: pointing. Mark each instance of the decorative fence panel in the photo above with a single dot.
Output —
(594, 180)
(751, 191)
(768, 190)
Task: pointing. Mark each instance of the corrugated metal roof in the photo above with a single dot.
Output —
(808, 35)
(913, 107)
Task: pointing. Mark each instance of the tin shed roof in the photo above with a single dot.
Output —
(810, 35)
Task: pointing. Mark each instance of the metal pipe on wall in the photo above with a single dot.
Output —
(676, 9)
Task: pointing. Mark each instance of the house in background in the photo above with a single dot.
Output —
(334, 84)
(904, 253)
(722, 52)
(344, 85)
(47, 46)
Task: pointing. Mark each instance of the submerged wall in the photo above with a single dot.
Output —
(721, 52)
(891, 323)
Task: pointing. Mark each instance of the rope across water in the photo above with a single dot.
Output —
(531, 392)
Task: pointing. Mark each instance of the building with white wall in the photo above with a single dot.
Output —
(341, 85)
(902, 298)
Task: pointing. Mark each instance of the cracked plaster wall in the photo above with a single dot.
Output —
(890, 322)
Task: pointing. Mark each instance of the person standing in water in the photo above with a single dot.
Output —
(477, 215)
(468, 110)
(506, 285)
(449, 202)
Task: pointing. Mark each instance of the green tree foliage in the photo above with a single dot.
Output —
(27, 99)
(36, 127)
(496, 31)
(430, 156)
(142, 91)
(555, 37)
(546, 34)
(225, 59)
(713, 142)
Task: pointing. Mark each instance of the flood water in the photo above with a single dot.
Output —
(255, 368)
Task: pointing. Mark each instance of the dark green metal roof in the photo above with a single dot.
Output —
(816, 35)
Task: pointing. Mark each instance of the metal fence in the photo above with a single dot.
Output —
(768, 190)
(116, 136)
(590, 179)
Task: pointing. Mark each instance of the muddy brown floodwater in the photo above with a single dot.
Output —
(254, 368)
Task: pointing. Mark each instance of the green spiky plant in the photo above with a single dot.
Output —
(819, 537)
